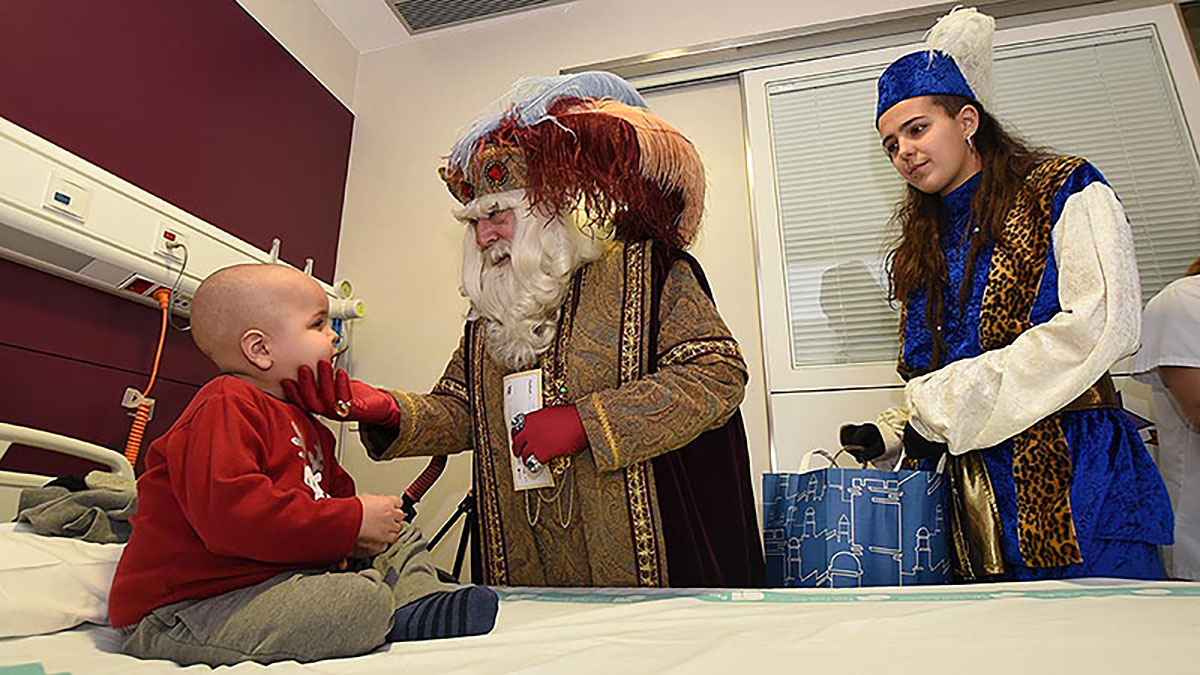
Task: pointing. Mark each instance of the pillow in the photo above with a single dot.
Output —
(49, 584)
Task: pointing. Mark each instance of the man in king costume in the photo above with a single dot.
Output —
(578, 204)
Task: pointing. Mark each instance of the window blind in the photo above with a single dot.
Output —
(1106, 96)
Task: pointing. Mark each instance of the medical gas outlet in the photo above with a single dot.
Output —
(68, 196)
(170, 243)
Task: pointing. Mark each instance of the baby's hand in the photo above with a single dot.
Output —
(382, 520)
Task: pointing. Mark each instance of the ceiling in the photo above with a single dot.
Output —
(367, 24)
(371, 25)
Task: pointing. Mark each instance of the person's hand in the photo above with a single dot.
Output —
(862, 441)
(382, 521)
(919, 447)
(336, 396)
(548, 433)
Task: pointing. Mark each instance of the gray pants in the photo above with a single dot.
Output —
(301, 616)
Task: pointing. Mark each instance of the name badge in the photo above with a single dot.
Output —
(523, 395)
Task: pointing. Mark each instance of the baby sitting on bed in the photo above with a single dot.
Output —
(246, 521)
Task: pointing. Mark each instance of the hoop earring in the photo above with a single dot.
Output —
(969, 143)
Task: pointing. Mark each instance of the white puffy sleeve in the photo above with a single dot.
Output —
(979, 402)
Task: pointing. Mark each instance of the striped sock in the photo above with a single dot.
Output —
(467, 611)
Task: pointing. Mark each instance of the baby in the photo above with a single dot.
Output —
(246, 520)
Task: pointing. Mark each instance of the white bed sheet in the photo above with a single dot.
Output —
(1082, 626)
(52, 583)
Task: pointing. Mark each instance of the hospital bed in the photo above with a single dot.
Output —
(1079, 626)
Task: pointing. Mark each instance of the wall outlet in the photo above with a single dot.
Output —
(165, 239)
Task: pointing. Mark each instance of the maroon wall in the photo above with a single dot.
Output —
(196, 103)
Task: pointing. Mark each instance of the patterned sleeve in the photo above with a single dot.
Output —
(700, 382)
(437, 423)
(979, 402)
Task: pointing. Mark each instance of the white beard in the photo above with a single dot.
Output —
(517, 288)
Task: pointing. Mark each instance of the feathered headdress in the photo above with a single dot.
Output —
(585, 142)
(956, 60)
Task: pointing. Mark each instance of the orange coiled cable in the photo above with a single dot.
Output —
(142, 417)
(134, 445)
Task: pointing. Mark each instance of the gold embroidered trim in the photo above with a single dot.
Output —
(495, 566)
(645, 544)
(608, 432)
(637, 487)
(688, 351)
(449, 387)
(406, 400)
(554, 361)
(631, 316)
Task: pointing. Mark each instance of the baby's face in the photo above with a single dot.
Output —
(301, 335)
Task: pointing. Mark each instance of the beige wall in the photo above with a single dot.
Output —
(711, 116)
(304, 30)
(400, 246)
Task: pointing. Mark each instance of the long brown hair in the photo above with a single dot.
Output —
(1194, 269)
(916, 261)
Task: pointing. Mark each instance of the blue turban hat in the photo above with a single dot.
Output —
(923, 73)
(956, 61)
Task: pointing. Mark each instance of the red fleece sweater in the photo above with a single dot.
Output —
(244, 486)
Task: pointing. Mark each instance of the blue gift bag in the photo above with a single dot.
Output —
(842, 527)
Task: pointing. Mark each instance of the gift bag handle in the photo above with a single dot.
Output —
(806, 460)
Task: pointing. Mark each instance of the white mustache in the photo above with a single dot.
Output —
(497, 252)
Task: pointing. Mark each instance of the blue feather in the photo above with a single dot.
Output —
(532, 97)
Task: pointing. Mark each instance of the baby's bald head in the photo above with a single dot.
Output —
(236, 299)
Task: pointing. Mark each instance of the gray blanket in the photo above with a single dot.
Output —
(97, 514)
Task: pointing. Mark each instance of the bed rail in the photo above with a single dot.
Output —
(12, 433)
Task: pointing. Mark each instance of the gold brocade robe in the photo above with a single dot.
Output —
(603, 528)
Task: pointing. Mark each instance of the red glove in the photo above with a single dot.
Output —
(340, 398)
(550, 432)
